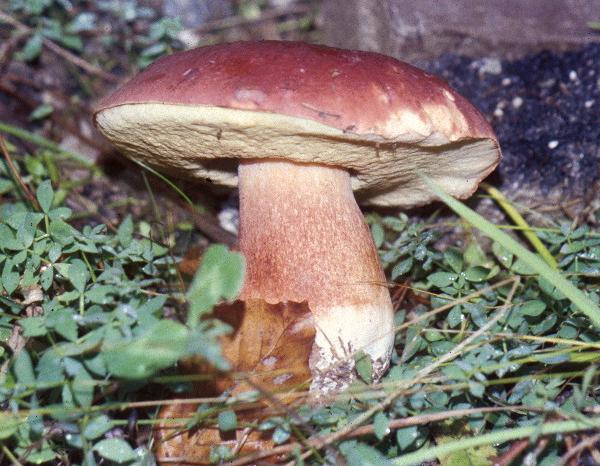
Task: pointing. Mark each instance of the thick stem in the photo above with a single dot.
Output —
(305, 239)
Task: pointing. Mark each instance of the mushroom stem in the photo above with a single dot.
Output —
(305, 240)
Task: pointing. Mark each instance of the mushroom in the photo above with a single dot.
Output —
(298, 128)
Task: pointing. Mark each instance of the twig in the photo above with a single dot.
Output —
(60, 51)
(16, 342)
(16, 175)
(513, 452)
(7, 50)
(434, 417)
(9, 88)
(11, 457)
(366, 430)
(531, 458)
(569, 445)
(400, 294)
(209, 227)
(243, 438)
(583, 445)
(454, 302)
(289, 412)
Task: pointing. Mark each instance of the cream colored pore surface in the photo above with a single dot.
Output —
(205, 142)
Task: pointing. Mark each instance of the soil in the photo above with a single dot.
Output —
(545, 109)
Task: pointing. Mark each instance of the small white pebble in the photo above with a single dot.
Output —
(269, 361)
(517, 102)
(548, 83)
(489, 66)
(588, 103)
(498, 112)
(282, 379)
(573, 75)
(553, 144)
(229, 219)
(506, 81)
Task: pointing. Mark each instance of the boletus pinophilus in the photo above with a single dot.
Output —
(301, 130)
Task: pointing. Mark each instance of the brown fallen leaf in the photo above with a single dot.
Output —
(270, 349)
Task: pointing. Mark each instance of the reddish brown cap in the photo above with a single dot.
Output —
(199, 111)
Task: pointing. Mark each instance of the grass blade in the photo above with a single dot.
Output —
(171, 185)
(520, 222)
(496, 437)
(576, 296)
(45, 143)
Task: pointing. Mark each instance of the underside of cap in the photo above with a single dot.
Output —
(206, 142)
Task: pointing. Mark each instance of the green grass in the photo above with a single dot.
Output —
(492, 338)
(546, 270)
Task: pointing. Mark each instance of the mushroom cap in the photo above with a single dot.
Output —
(196, 113)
